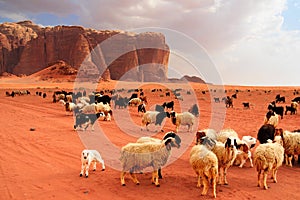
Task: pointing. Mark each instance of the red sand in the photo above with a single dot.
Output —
(45, 163)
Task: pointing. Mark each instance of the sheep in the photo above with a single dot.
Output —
(226, 154)
(205, 164)
(244, 151)
(271, 118)
(185, 118)
(87, 157)
(211, 133)
(135, 102)
(268, 157)
(291, 144)
(105, 108)
(142, 108)
(137, 156)
(152, 117)
(226, 133)
(167, 135)
(266, 131)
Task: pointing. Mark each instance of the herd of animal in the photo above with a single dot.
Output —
(212, 155)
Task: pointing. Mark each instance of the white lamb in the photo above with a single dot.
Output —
(87, 157)
(226, 154)
(291, 145)
(268, 157)
(205, 164)
(185, 118)
(137, 156)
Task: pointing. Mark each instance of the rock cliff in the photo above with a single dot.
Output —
(26, 48)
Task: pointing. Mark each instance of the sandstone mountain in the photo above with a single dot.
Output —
(26, 48)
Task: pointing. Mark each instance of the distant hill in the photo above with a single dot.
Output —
(187, 78)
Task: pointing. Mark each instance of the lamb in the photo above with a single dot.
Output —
(137, 156)
(226, 154)
(291, 144)
(276, 109)
(194, 110)
(87, 157)
(167, 135)
(268, 157)
(205, 164)
(185, 118)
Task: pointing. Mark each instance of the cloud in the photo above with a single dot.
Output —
(244, 38)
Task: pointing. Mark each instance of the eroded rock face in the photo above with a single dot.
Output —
(26, 48)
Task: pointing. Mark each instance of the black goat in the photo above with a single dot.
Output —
(168, 105)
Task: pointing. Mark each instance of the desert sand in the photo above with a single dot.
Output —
(45, 163)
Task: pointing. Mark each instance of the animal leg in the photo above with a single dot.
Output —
(134, 178)
(274, 175)
(87, 169)
(95, 166)
(251, 162)
(155, 175)
(123, 178)
(225, 179)
(199, 180)
(242, 163)
(159, 173)
(82, 169)
(265, 179)
(214, 185)
(205, 185)
(258, 178)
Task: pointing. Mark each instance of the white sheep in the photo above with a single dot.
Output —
(87, 158)
(205, 164)
(88, 109)
(226, 154)
(137, 156)
(135, 102)
(226, 133)
(268, 157)
(271, 118)
(105, 108)
(152, 117)
(291, 145)
(167, 135)
(185, 118)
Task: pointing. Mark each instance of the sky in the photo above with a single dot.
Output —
(247, 42)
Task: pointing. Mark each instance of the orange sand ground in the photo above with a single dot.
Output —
(45, 163)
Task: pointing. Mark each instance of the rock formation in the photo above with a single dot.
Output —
(26, 48)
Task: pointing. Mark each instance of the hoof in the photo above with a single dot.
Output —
(94, 169)
(137, 183)
(86, 176)
(80, 175)
(158, 185)
(103, 169)
(123, 184)
(160, 177)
